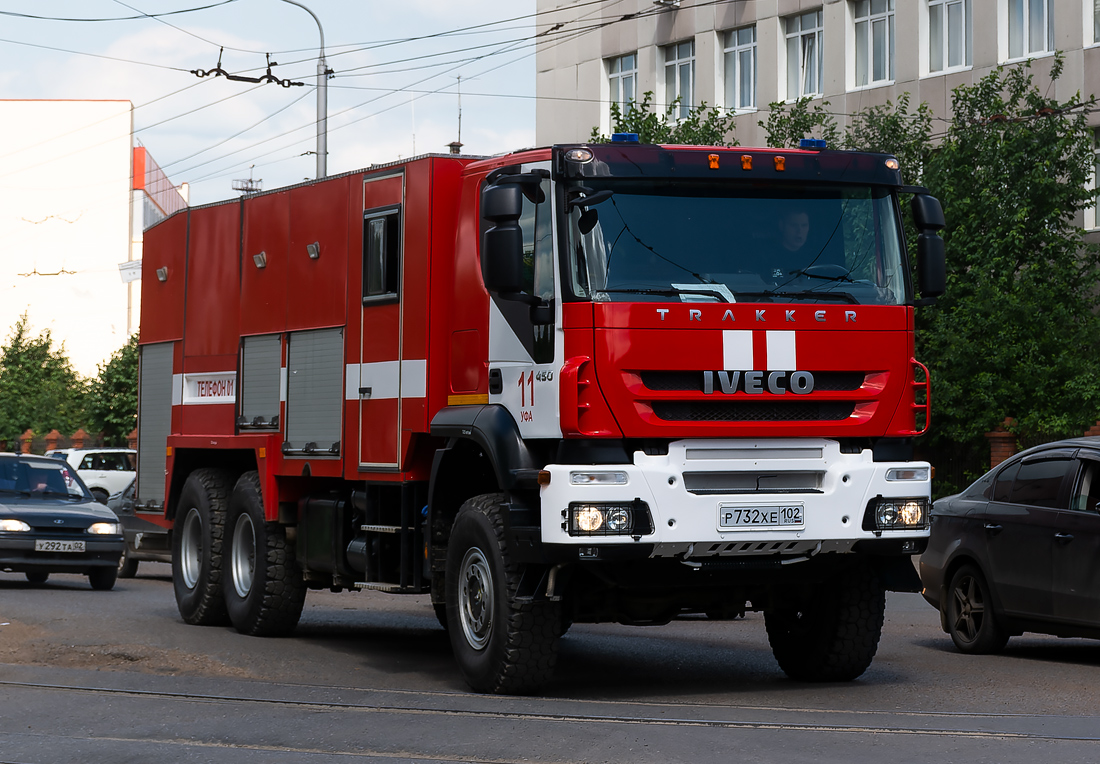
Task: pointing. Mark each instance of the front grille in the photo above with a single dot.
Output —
(743, 411)
(692, 381)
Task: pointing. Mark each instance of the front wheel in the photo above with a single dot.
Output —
(970, 620)
(103, 579)
(500, 645)
(127, 565)
(197, 547)
(263, 586)
(832, 635)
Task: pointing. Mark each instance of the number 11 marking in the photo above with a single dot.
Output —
(523, 388)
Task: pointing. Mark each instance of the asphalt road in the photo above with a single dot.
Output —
(116, 676)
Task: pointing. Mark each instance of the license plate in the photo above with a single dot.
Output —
(42, 545)
(736, 517)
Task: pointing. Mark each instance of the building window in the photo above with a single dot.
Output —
(740, 53)
(804, 54)
(1095, 19)
(622, 76)
(381, 253)
(874, 21)
(1030, 27)
(680, 76)
(950, 30)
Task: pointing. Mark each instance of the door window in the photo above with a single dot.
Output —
(1086, 494)
(1039, 483)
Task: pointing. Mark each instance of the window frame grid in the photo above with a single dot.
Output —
(673, 61)
(944, 65)
(799, 38)
(732, 51)
(866, 57)
(617, 75)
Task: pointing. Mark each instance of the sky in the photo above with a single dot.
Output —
(395, 90)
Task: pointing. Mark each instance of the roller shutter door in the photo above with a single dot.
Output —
(315, 391)
(261, 361)
(154, 421)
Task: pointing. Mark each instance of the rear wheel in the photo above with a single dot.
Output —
(500, 645)
(970, 620)
(831, 636)
(197, 547)
(127, 565)
(37, 576)
(103, 579)
(264, 590)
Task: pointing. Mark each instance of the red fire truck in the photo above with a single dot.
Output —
(586, 383)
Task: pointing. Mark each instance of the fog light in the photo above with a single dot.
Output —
(896, 514)
(611, 519)
(619, 520)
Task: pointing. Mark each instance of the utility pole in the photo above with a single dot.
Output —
(322, 97)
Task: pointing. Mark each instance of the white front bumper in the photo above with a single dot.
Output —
(687, 524)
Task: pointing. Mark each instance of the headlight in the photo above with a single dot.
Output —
(105, 529)
(896, 514)
(14, 526)
(607, 519)
(598, 478)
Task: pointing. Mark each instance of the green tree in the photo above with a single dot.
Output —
(112, 395)
(789, 123)
(39, 389)
(1017, 333)
(704, 125)
(892, 129)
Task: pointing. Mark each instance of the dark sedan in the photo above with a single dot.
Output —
(1019, 550)
(50, 523)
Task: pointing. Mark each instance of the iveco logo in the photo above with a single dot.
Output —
(759, 382)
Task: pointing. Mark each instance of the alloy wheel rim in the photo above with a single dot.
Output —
(969, 609)
(476, 599)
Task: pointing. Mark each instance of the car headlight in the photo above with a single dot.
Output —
(896, 514)
(105, 529)
(607, 519)
(14, 526)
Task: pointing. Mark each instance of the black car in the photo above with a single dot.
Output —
(50, 523)
(144, 540)
(1019, 550)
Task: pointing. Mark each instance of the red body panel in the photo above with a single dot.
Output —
(264, 290)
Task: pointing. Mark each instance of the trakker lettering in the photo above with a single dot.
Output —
(789, 315)
(758, 382)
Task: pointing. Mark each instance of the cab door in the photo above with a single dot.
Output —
(525, 353)
(378, 382)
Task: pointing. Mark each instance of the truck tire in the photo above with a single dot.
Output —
(263, 585)
(833, 635)
(197, 536)
(500, 646)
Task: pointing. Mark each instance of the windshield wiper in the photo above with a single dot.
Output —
(667, 292)
(808, 293)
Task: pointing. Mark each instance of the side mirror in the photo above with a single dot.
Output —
(931, 265)
(927, 213)
(502, 243)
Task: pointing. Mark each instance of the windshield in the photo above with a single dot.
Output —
(40, 477)
(695, 242)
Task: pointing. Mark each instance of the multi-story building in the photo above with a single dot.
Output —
(746, 54)
(75, 195)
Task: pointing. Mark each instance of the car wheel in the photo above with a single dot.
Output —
(127, 565)
(100, 495)
(37, 576)
(500, 645)
(970, 619)
(263, 586)
(831, 636)
(197, 535)
(103, 579)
